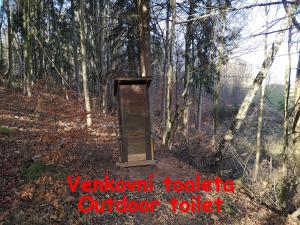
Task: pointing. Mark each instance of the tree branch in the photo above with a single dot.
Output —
(218, 10)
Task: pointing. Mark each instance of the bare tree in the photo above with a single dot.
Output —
(145, 57)
(28, 69)
(167, 132)
(261, 103)
(268, 61)
(296, 140)
(188, 65)
(84, 64)
(75, 45)
(9, 40)
(221, 50)
(296, 120)
(286, 105)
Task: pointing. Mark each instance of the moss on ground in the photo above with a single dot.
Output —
(5, 130)
(32, 171)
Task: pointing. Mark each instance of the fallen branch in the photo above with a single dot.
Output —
(296, 214)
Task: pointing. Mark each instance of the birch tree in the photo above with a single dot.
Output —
(261, 103)
(260, 77)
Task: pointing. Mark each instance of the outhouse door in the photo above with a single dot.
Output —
(135, 122)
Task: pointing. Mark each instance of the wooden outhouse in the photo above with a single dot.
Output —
(135, 143)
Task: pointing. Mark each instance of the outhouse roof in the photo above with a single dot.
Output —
(130, 80)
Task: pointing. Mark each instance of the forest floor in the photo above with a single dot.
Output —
(43, 139)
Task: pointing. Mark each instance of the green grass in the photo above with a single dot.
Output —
(275, 96)
(5, 130)
(34, 170)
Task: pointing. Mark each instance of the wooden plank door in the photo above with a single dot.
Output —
(135, 121)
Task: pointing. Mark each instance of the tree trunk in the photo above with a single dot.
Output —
(109, 64)
(296, 121)
(104, 76)
(217, 94)
(145, 47)
(286, 106)
(167, 131)
(211, 73)
(288, 181)
(27, 47)
(84, 64)
(104, 97)
(40, 28)
(199, 109)
(261, 106)
(74, 46)
(9, 40)
(165, 67)
(239, 119)
(176, 81)
(188, 66)
(296, 135)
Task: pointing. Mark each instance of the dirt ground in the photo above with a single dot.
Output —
(46, 141)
